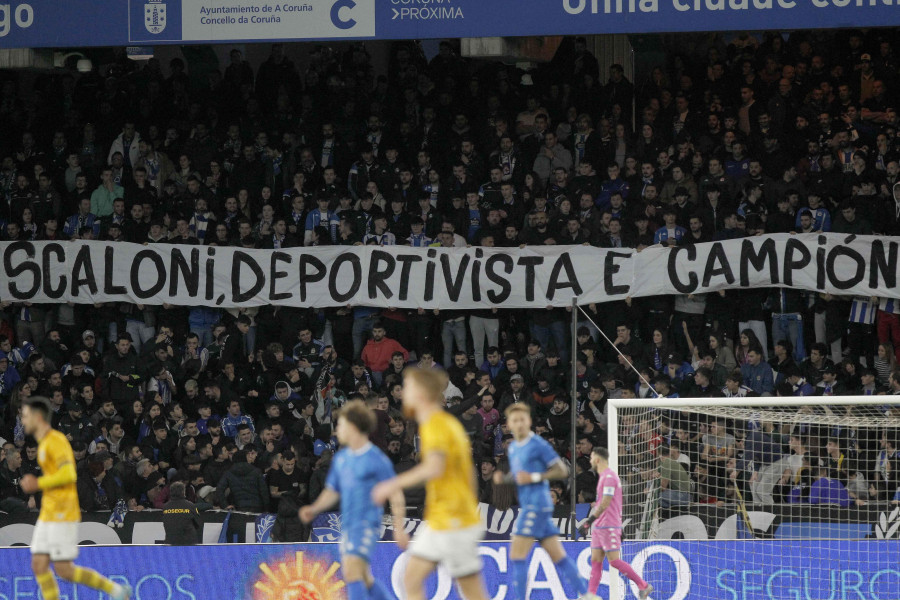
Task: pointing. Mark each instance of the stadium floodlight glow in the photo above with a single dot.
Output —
(805, 471)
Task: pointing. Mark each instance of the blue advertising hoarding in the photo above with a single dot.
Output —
(62, 23)
(680, 570)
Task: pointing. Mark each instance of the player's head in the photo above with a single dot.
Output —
(355, 419)
(36, 411)
(518, 419)
(422, 388)
(599, 457)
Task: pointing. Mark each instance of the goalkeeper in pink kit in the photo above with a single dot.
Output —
(606, 528)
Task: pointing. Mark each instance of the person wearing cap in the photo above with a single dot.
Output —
(679, 370)
(76, 374)
(75, 424)
(869, 383)
(364, 170)
(830, 386)
(798, 384)
(864, 85)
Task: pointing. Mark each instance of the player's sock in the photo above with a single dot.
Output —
(47, 583)
(92, 579)
(378, 591)
(623, 567)
(520, 578)
(596, 576)
(356, 590)
(566, 567)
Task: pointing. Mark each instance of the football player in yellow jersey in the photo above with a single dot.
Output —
(452, 527)
(56, 533)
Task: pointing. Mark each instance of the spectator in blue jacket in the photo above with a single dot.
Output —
(826, 490)
(9, 377)
(234, 418)
(800, 385)
(669, 234)
(758, 374)
(492, 365)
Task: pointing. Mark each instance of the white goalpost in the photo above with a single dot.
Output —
(780, 497)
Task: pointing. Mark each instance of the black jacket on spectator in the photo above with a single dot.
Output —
(182, 523)
(247, 488)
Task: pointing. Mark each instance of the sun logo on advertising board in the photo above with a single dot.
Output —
(303, 578)
(155, 16)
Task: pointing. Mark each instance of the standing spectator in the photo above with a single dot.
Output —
(181, 518)
(102, 198)
(377, 353)
(243, 487)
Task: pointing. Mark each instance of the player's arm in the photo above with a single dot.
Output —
(328, 498)
(398, 519)
(65, 474)
(601, 506)
(432, 466)
(557, 470)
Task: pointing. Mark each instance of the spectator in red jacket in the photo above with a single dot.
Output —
(378, 351)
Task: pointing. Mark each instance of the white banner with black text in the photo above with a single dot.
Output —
(461, 278)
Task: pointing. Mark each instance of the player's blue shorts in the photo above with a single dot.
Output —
(535, 522)
(359, 539)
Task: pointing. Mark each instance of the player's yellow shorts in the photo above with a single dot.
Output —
(59, 540)
(456, 549)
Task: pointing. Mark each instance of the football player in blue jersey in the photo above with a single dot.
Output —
(355, 470)
(533, 462)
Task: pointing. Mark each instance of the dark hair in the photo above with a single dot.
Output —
(41, 405)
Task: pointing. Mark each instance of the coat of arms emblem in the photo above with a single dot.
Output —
(155, 16)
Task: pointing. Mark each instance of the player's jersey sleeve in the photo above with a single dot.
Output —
(546, 454)
(333, 480)
(433, 437)
(608, 485)
(60, 453)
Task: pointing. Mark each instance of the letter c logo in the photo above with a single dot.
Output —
(335, 14)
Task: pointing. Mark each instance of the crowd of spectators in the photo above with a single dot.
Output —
(760, 135)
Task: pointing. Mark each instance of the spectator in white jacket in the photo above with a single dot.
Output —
(126, 143)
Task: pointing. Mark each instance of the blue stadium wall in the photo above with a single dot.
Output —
(681, 570)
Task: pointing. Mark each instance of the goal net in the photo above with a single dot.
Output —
(760, 498)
